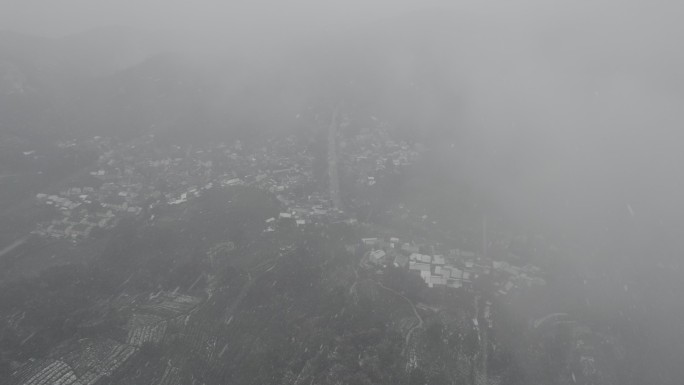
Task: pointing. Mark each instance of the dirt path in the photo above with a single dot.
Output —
(258, 270)
(228, 315)
(415, 312)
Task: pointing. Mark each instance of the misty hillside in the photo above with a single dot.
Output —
(526, 131)
(44, 81)
(80, 78)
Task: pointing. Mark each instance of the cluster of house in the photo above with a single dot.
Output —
(77, 217)
(455, 268)
(368, 154)
(282, 168)
(82, 209)
(435, 271)
(315, 210)
(517, 277)
(283, 164)
(128, 179)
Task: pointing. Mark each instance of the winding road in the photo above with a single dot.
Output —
(415, 312)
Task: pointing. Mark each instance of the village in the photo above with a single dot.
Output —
(138, 180)
(132, 180)
(452, 268)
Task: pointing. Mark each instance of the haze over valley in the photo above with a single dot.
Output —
(359, 193)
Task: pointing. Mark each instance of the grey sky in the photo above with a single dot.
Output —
(59, 17)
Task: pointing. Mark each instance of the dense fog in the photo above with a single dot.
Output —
(546, 134)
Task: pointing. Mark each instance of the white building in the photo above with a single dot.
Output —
(369, 241)
(376, 256)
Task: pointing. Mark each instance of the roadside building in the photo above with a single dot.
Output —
(437, 280)
(409, 248)
(418, 266)
(369, 241)
(400, 260)
(377, 256)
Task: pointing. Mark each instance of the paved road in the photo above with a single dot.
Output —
(14, 245)
(480, 313)
(334, 181)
